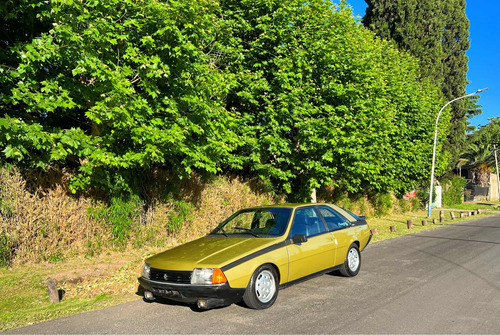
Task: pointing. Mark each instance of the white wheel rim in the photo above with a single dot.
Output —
(265, 286)
(353, 259)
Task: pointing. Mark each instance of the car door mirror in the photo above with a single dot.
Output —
(299, 238)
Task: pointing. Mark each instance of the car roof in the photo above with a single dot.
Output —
(338, 209)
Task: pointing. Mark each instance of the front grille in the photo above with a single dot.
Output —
(181, 277)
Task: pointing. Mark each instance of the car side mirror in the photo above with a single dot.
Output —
(299, 238)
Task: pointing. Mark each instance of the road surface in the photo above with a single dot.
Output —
(441, 281)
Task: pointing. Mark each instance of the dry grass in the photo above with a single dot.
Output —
(42, 221)
(46, 224)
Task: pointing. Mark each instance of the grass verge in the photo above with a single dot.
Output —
(111, 279)
(399, 221)
(85, 284)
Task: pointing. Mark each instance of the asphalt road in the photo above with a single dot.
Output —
(441, 281)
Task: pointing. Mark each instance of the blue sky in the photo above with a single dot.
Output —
(484, 53)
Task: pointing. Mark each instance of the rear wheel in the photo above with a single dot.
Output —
(262, 290)
(352, 262)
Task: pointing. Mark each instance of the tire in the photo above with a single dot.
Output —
(262, 290)
(352, 262)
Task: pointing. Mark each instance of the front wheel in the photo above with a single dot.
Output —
(262, 290)
(352, 262)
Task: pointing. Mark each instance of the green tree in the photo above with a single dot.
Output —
(455, 45)
(294, 93)
(436, 32)
(322, 101)
(117, 86)
(480, 147)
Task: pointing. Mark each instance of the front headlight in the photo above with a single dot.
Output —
(207, 276)
(146, 269)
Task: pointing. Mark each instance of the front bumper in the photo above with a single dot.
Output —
(212, 295)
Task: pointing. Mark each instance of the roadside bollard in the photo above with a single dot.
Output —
(393, 229)
(441, 216)
(452, 215)
(374, 231)
(53, 292)
(409, 224)
(434, 221)
(424, 222)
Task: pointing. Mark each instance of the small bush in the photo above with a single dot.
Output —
(382, 203)
(417, 203)
(5, 251)
(453, 190)
(343, 201)
(55, 258)
(120, 215)
(405, 205)
(182, 212)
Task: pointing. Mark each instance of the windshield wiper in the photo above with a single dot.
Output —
(222, 230)
(250, 231)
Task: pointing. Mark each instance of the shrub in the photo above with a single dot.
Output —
(5, 251)
(453, 190)
(177, 217)
(404, 205)
(120, 215)
(382, 203)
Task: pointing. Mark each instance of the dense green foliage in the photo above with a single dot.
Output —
(453, 187)
(436, 32)
(120, 215)
(117, 86)
(323, 102)
(294, 93)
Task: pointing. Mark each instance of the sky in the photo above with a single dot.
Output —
(484, 53)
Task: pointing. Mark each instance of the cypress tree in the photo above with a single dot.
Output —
(436, 32)
(455, 44)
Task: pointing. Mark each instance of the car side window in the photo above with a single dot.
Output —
(333, 219)
(307, 222)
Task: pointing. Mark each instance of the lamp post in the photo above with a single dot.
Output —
(496, 166)
(435, 143)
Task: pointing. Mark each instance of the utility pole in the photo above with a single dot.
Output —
(496, 165)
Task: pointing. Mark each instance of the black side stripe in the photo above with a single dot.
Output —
(256, 254)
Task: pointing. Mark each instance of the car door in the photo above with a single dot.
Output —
(317, 253)
(339, 226)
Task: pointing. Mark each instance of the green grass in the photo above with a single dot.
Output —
(25, 298)
(400, 222)
(472, 206)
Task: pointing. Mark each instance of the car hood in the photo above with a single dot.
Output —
(208, 251)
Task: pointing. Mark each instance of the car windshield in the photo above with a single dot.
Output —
(257, 222)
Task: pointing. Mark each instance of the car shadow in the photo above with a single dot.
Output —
(334, 273)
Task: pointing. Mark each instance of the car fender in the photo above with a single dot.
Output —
(238, 273)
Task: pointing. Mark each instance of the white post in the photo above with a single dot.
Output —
(313, 196)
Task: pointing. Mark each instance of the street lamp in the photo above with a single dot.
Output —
(435, 143)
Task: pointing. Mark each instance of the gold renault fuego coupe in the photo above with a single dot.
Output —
(257, 251)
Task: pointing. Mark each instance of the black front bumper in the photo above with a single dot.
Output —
(214, 295)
